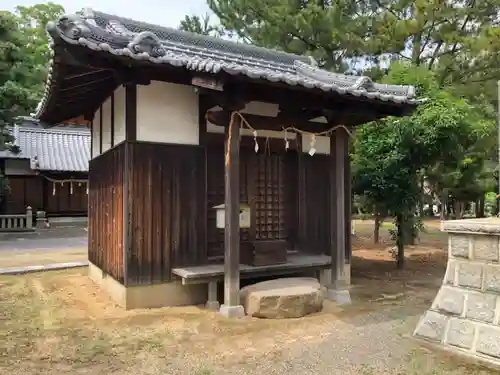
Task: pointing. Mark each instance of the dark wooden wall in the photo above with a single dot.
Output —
(106, 196)
(313, 203)
(314, 194)
(170, 192)
(24, 191)
(67, 200)
(37, 192)
(167, 195)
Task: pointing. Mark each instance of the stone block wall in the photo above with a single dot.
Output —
(465, 315)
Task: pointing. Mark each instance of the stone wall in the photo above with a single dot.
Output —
(465, 315)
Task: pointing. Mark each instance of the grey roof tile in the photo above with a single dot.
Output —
(54, 149)
(142, 41)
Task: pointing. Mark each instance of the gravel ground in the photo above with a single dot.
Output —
(353, 342)
(367, 344)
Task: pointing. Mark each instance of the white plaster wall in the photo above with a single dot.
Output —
(18, 167)
(167, 113)
(96, 126)
(119, 115)
(106, 124)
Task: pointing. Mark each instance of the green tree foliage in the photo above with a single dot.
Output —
(200, 25)
(15, 96)
(459, 38)
(330, 31)
(390, 154)
(24, 58)
(32, 21)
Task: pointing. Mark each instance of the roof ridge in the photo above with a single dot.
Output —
(64, 130)
(90, 14)
(143, 42)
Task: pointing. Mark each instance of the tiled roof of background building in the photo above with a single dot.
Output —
(55, 149)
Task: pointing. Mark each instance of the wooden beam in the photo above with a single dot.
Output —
(94, 82)
(131, 112)
(302, 97)
(112, 130)
(246, 141)
(258, 122)
(231, 306)
(100, 130)
(75, 79)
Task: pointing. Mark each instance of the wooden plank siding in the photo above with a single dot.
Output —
(167, 192)
(24, 191)
(313, 204)
(69, 198)
(105, 227)
(167, 195)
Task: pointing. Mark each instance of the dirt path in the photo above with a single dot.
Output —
(41, 257)
(60, 322)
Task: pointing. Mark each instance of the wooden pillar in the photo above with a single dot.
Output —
(338, 291)
(348, 203)
(130, 137)
(231, 306)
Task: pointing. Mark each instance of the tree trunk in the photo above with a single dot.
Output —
(444, 205)
(376, 230)
(410, 234)
(480, 207)
(421, 200)
(458, 207)
(400, 243)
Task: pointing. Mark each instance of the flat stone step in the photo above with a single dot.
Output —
(291, 297)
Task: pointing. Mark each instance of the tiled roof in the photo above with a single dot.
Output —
(54, 149)
(141, 41)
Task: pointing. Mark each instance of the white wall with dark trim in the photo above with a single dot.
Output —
(168, 113)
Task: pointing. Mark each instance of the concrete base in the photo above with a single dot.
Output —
(347, 274)
(339, 296)
(465, 315)
(232, 311)
(212, 305)
(148, 296)
(325, 276)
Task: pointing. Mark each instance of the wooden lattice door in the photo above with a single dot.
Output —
(267, 184)
(268, 197)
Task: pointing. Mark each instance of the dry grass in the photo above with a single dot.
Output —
(30, 258)
(59, 322)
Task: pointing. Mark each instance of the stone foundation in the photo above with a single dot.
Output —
(148, 296)
(465, 315)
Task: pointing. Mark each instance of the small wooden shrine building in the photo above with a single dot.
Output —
(211, 160)
(50, 171)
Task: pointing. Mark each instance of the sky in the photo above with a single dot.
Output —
(159, 12)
